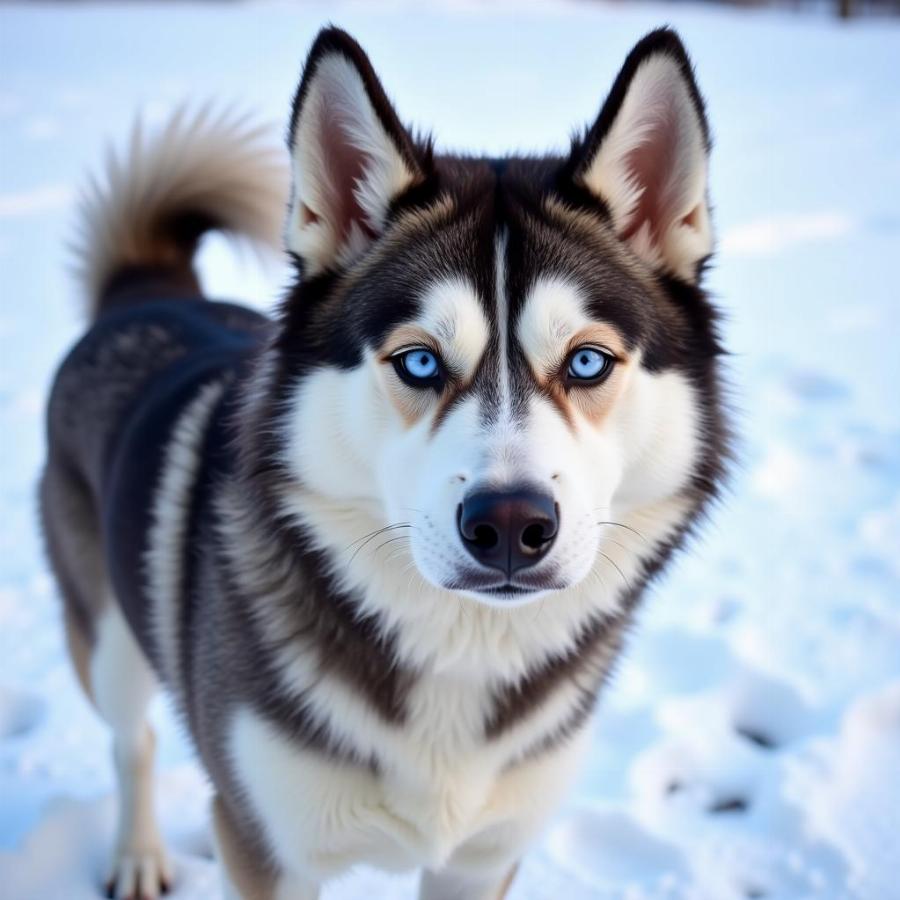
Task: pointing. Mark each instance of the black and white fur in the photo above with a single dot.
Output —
(267, 517)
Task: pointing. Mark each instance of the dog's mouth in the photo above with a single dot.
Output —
(511, 590)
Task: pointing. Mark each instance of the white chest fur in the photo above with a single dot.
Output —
(441, 792)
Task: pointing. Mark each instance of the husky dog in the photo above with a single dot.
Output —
(383, 548)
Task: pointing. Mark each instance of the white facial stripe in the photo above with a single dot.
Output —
(552, 313)
(500, 461)
(502, 307)
(453, 313)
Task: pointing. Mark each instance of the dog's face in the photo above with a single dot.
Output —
(500, 363)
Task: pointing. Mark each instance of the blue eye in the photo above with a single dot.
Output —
(588, 364)
(419, 367)
(420, 363)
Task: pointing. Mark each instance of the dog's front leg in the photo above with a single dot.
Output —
(449, 885)
(246, 875)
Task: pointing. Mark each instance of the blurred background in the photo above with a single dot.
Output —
(750, 743)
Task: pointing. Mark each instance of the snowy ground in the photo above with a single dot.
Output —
(750, 745)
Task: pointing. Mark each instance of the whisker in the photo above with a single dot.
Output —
(376, 532)
(613, 564)
(383, 544)
(394, 554)
(371, 537)
(603, 584)
(626, 527)
(609, 540)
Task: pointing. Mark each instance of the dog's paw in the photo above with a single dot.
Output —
(139, 874)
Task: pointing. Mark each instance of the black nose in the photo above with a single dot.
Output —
(508, 530)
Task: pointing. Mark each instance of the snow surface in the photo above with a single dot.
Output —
(750, 744)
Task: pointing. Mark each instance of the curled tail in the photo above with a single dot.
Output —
(146, 215)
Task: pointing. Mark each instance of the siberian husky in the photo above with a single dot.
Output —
(383, 547)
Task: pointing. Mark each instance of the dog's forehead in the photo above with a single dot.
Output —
(540, 302)
(570, 269)
(439, 271)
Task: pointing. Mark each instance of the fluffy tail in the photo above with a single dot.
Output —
(152, 205)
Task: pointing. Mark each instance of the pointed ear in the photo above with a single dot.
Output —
(646, 157)
(350, 155)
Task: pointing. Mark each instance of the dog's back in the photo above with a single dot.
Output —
(153, 366)
(150, 326)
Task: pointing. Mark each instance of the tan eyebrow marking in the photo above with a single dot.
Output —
(593, 403)
(404, 397)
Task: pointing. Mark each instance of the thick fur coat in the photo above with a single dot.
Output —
(383, 547)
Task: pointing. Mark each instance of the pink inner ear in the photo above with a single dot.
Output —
(346, 167)
(651, 165)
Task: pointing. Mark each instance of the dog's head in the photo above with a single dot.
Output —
(505, 365)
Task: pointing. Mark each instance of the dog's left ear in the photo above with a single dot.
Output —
(350, 156)
(646, 157)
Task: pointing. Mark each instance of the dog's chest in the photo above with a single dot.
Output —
(435, 786)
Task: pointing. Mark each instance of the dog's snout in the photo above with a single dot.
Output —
(508, 530)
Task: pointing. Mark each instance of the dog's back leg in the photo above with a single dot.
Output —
(113, 671)
(123, 685)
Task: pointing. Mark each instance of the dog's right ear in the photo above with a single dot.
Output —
(646, 157)
(351, 157)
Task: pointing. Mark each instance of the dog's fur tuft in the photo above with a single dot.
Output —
(152, 203)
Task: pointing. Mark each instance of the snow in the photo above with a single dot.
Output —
(749, 745)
